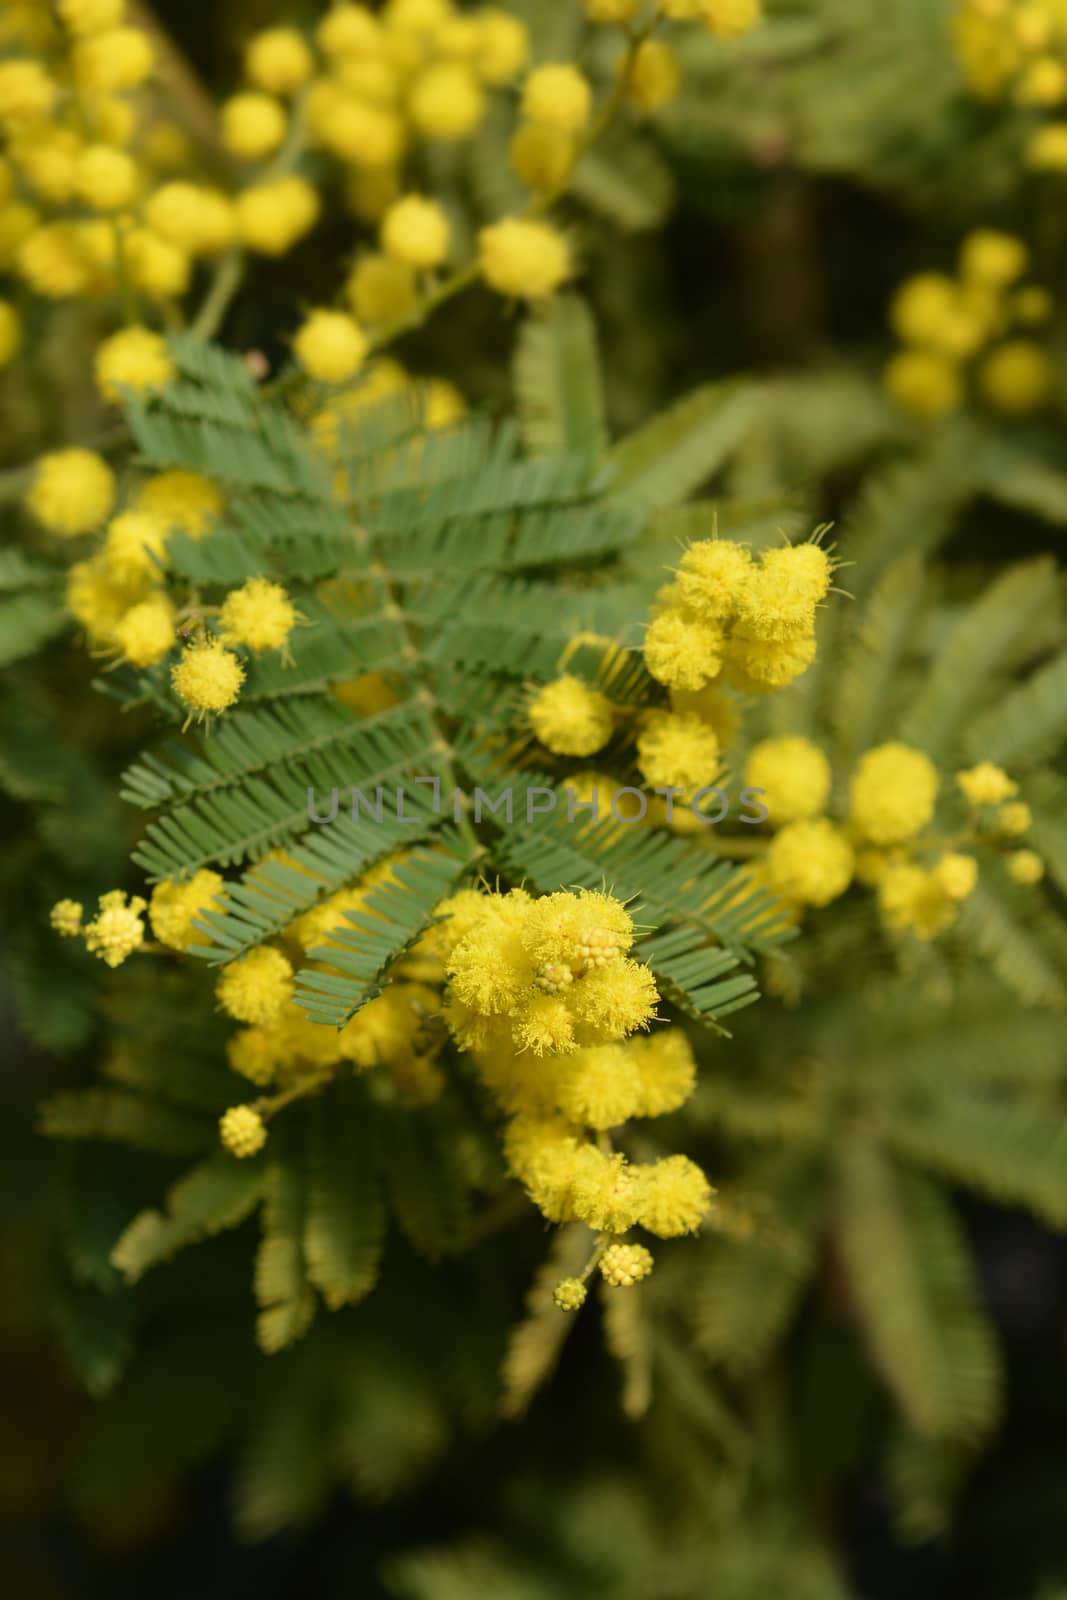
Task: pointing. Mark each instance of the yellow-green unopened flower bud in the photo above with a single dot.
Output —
(242, 1131)
(569, 1294)
(623, 1265)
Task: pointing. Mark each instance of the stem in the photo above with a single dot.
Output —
(270, 1105)
(225, 283)
(392, 606)
(131, 314)
(229, 273)
(602, 1243)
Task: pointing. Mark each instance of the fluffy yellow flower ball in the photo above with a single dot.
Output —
(256, 988)
(666, 1071)
(986, 785)
(27, 93)
(655, 75)
(97, 601)
(759, 666)
(598, 1088)
(115, 121)
(1043, 83)
(730, 19)
(173, 907)
(257, 1053)
(446, 102)
(923, 384)
(106, 179)
(1047, 150)
(676, 750)
(145, 634)
(673, 1196)
(993, 258)
(134, 543)
(208, 679)
(683, 652)
(133, 358)
(272, 217)
(381, 290)
(54, 262)
(180, 499)
(72, 492)
(253, 126)
(113, 60)
(810, 863)
(521, 258)
(913, 900)
(279, 61)
(956, 874)
(416, 232)
(712, 576)
(348, 30)
(894, 791)
(557, 95)
(192, 216)
(259, 615)
(242, 1131)
(570, 719)
(46, 157)
(923, 307)
(623, 1265)
(1026, 867)
(540, 156)
(1014, 819)
(778, 602)
(1016, 378)
(330, 346)
(158, 268)
(503, 45)
(90, 16)
(117, 930)
(794, 775)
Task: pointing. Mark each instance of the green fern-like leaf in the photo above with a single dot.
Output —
(344, 1225)
(286, 1302)
(912, 1284)
(558, 382)
(395, 914)
(217, 1194)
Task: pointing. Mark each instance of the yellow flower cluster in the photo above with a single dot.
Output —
(117, 594)
(892, 794)
(547, 975)
(115, 932)
(399, 1031)
(971, 327)
(728, 615)
(1013, 49)
(174, 906)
